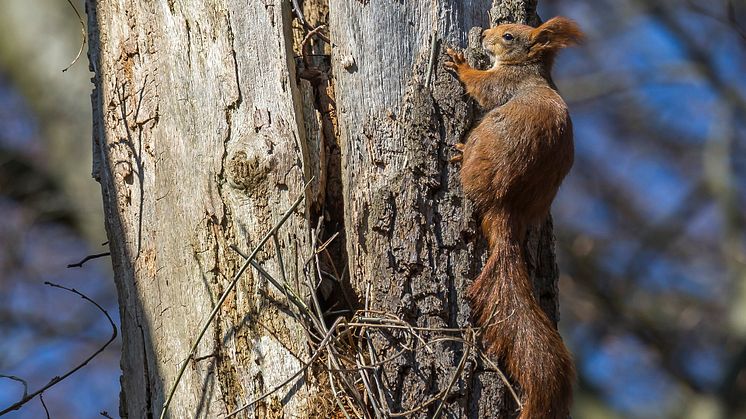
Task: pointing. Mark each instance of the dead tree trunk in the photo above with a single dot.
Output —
(209, 119)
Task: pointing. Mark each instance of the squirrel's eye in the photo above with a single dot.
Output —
(507, 37)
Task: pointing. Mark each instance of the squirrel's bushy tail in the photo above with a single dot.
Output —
(517, 331)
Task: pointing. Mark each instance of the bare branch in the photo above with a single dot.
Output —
(87, 258)
(83, 34)
(57, 379)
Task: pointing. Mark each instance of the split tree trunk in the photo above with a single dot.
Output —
(207, 126)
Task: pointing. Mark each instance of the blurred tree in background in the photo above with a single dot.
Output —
(51, 216)
(650, 222)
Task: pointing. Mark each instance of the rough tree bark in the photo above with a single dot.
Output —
(207, 125)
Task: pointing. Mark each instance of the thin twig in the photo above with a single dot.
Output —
(341, 407)
(434, 44)
(44, 405)
(363, 373)
(57, 379)
(280, 262)
(315, 31)
(504, 379)
(337, 276)
(227, 291)
(82, 33)
(376, 367)
(334, 388)
(459, 369)
(290, 294)
(298, 12)
(302, 19)
(327, 243)
(311, 286)
(87, 258)
(20, 380)
(286, 290)
(374, 357)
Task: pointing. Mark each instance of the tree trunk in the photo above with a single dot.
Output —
(198, 147)
(207, 126)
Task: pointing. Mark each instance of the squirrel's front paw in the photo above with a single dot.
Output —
(457, 57)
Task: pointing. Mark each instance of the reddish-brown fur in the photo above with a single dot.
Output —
(512, 165)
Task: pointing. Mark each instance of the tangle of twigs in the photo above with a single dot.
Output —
(345, 350)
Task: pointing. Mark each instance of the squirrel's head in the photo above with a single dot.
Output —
(520, 44)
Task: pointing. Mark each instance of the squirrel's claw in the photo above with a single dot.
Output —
(457, 57)
(459, 147)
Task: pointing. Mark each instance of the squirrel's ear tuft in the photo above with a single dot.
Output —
(555, 33)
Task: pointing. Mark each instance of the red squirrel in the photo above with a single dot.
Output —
(512, 165)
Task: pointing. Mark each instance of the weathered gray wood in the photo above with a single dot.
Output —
(202, 137)
(197, 147)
